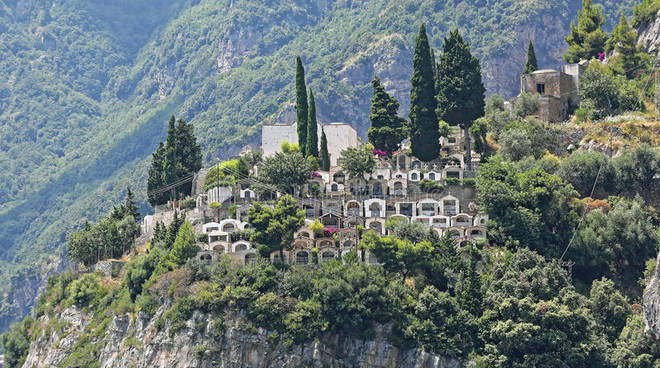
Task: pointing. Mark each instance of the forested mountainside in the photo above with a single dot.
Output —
(86, 89)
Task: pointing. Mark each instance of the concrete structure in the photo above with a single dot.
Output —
(340, 137)
(273, 135)
(397, 188)
(558, 90)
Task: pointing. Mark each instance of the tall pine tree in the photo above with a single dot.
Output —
(189, 154)
(312, 144)
(179, 157)
(461, 91)
(628, 56)
(170, 167)
(155, 176)
(531, 66)
(471, 295)
(387, 127)
(301, 105)
(586, 39)
(325, 156)
(424, 135)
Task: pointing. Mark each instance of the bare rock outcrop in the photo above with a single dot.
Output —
(649, 36)
(652, 304)
(135, 341)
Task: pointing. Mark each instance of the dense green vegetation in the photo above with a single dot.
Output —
(226, 173)
(112, 237)
(645, 12)
(324, 159)
(498, 307)
(273, 228)
(312, 145)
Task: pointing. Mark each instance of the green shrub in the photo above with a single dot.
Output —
(645, 12)
(430, 186)
(16, 343)
(147, 304)
(469, 182)
(583, 115)
(453, 181)
(179, 314)
(203, 238)
(85, 289)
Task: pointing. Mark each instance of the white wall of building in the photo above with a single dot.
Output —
(272, 137)
(340, 137)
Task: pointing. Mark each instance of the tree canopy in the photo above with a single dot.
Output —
(460, 90)
(629, 56)
(387, 128)
(302, 107)
(312, 145)
(586, 39)
(284, 172)
(273, 228)
(528, 208)
(531, 65)
(325, 156)
(358, 162)
(111, 237)
(424, 136)
(179, 158)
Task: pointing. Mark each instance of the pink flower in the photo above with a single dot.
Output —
(601, 56)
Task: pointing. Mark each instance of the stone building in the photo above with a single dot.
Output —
(558, 90)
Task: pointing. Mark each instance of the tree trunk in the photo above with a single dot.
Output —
(468, 149)
(281, 255)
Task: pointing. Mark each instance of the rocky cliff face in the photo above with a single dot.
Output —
(649, 36)
(652, 304)
(204, 342)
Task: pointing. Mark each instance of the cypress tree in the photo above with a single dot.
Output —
(471, 296)
(531, 65)
(170, 167)
(587, 38)
(461, 91)
(387, 127)
(312, 144)
(301, 105)
(188, 154)
(435, 65)
(325, 156)
(155, 176)
(129, 207)
(425, 138)
(179, 157)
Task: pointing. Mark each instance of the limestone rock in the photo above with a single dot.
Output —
(652, 304)
(136, 342)
(649, 36)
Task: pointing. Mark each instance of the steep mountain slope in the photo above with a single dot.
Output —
(86, 89)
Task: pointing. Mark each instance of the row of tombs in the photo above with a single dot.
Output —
(398, 177)
(340, 234)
